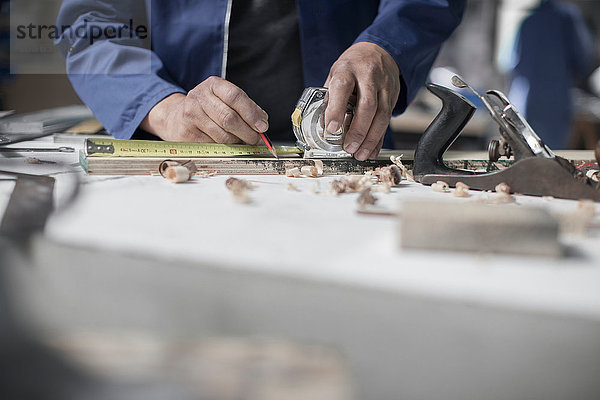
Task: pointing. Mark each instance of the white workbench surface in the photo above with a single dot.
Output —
(318, 238)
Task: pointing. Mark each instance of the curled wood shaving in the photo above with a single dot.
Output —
(293, 172)
(461, 190)
(239, 188)
(502, 188)
(406, 173)
(177, 171)
(593, 175)
(390, 175)
(310, 171)
(366, 198)
(338, 186)
(177, 174)
(441, 187)
(319, 166)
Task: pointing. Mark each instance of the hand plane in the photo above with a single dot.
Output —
(536, 169)
(308, 124)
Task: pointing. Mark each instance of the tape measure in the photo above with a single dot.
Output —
(151, 148)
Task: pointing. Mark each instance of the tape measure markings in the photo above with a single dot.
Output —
(149, 148)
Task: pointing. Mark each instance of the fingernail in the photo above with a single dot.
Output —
(262, 126)
(362, 155)
(352, 147)
(333, 127)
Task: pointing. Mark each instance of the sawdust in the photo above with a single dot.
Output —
(292, 188)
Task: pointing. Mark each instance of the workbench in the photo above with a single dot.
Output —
(139, 254)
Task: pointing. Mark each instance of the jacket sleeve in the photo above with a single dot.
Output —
(109, 61)
(413, 31)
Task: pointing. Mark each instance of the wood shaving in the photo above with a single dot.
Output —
(502, 188)
(177, 174)
(319, 166)
(390, 175)
(177, 171)
(441, 187)
(548, 198)
(310, 171)
(461, 190)
(35, 160)
(406, 173)
(593, 175)
(206, 174)
(293, 172)
(239, 188)
(497, 198)
(382, 188)
(338, 186)
(366, 198)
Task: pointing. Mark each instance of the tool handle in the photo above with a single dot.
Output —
(438, 137)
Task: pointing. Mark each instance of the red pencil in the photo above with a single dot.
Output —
(269, 144)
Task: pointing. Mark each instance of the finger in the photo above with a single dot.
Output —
(375, 152)
(341, 86)
(228, 121)
(218, 134)
(254, 116)
(365, 111)
(376, 131)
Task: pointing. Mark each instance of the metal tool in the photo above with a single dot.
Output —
(536, 169)
(29, 206)
(36, 150)
(308, 124)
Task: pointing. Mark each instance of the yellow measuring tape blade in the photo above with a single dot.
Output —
(151, 148)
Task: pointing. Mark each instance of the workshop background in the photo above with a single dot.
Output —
(478, 51)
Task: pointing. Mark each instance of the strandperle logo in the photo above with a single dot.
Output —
(91, 32)
(40, 40)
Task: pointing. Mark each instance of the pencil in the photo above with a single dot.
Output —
(268, 143)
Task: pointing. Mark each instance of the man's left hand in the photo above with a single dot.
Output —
(369, 71)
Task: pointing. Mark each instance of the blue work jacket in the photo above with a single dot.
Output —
(122, 78)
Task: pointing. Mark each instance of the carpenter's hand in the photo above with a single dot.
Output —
(214, 111)
(370, 72)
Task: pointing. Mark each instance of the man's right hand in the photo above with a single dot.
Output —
(214, 111)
